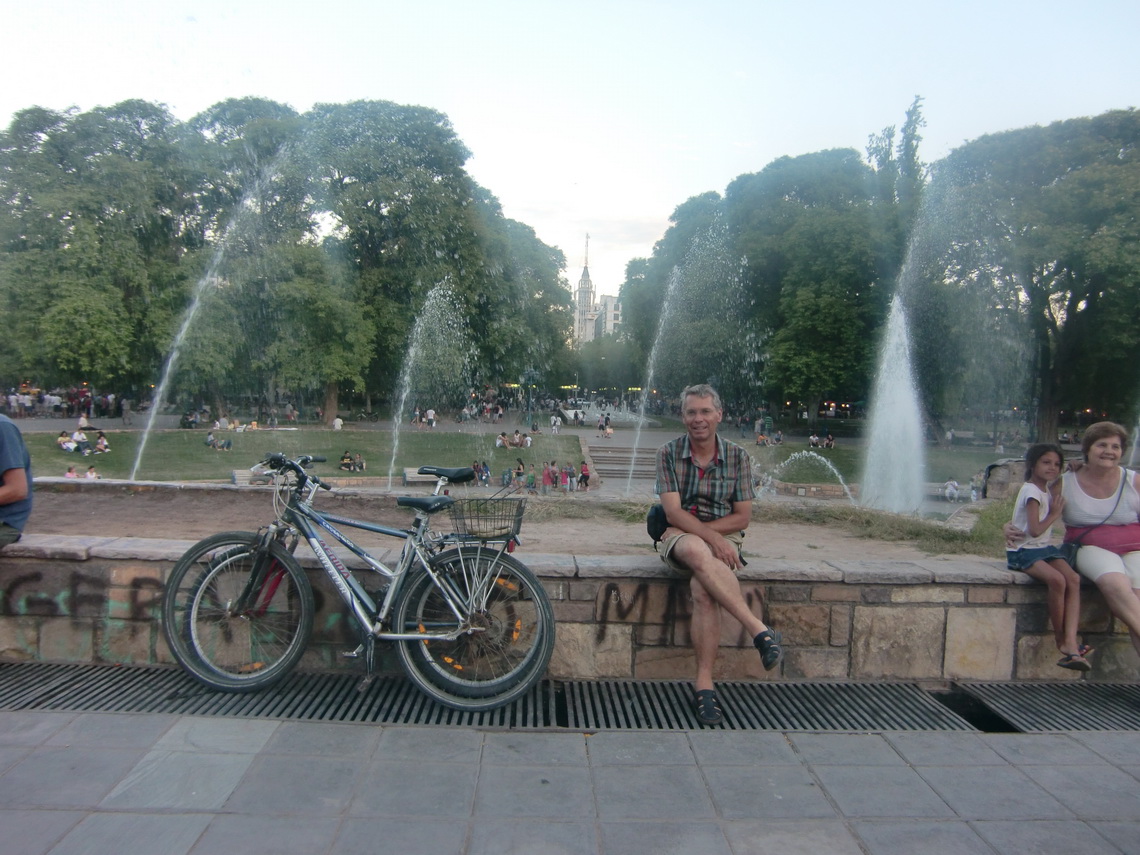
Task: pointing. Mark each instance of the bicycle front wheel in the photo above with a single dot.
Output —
(510, 637)
(231, 630)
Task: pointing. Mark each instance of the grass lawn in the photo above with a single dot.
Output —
(181, 455)
(941, 464)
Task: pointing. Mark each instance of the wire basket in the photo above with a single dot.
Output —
(488, 519)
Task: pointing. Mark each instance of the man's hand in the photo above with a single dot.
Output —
(724, 551)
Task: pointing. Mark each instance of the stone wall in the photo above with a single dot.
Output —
(97, 600)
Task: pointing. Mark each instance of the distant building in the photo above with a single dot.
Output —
(595, 317)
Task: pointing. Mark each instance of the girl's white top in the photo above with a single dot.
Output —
(1028, 491)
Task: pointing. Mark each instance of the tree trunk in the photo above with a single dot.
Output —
(332, 391)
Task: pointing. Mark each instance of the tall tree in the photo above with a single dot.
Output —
(1045, 231)
(808, 228)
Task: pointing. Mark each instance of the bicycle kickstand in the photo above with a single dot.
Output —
(369, 663)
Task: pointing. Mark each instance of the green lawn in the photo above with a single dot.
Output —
(181, 455)
(941, 464)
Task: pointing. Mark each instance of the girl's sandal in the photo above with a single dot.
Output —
(1074, 662)
(706, 707)
(1085, 650)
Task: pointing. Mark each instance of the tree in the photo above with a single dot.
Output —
(809, 231)
(1044, 232)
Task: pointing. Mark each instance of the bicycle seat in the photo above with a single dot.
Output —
(455, 476)
(427, 504)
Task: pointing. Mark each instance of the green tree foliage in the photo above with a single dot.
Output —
(810, 231)
(1043, 234)
(307, 243)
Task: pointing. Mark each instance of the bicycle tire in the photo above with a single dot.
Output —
(482, 670)
(236, 652)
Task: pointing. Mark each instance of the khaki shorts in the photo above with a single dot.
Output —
(736, 538)
(8, 534)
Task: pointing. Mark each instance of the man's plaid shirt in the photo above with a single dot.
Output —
(709, 493)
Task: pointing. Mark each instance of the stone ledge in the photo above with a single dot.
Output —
(883, 572)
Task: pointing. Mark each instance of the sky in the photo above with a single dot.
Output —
(592, 117)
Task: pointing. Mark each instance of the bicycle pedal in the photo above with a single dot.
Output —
(353, 654)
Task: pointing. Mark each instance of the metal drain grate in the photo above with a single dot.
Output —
(618, 705)
(590, 706)
(1046, 707)
(314, 697)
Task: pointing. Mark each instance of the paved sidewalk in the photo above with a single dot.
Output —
(168, 785)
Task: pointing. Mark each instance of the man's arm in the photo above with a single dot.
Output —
(13, 486)
(710, 532)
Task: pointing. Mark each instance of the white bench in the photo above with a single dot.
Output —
(412, 476)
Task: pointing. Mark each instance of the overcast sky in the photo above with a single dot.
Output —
(597, 117)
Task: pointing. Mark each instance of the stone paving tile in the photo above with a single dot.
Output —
(99, 730)
(65, 777)
(791, 837)
(944, 749)
(136, 833)
(843, 749)
(535, 749)
(992, 792)
(1043, 836)
(179, 779)
(531, 791)
(323, 739)
(780, 792)
(881, 791)
(1030, 749)
(430, 744)
(359, 836)
(217, 735)
(1095, 792)
(1121, 748)
(277, 783)
(31, 728)
(743, 749)
(664, 838)
(12, 754)
(34, 832)
(229, 834)
(639, 749)
(927, 838)
(1126, 835)
(648, 792)
(531, 837)
(408, 788)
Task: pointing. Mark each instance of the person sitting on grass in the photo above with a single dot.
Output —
(65, 442)
(218, 444)
(358, 464)
(101, 444)
(92, 475)
(346, 461)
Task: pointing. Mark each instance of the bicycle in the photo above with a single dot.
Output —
(473, 626)
(368, 416)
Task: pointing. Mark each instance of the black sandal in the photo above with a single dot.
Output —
(706, 707)
(768, 643)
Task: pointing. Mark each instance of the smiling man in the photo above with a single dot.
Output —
(705, 485)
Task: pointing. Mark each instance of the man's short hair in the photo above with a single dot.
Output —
(701, 390)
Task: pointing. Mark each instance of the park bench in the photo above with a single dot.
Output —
(412, 476)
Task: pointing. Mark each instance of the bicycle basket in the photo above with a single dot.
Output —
(488, 519)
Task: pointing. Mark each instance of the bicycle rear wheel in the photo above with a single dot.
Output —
(513, 624)
(227, 645)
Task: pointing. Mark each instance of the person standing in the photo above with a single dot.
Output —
(705, 485)
(15, 482)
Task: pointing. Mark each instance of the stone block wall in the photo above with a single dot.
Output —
(98, 600)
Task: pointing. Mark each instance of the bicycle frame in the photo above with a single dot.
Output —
(300, 516)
